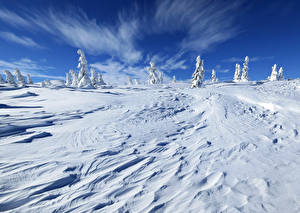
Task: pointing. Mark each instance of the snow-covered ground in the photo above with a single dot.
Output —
(223, 148)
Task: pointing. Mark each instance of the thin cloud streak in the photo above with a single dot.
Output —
(25, 41)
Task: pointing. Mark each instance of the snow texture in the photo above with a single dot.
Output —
(225, 147)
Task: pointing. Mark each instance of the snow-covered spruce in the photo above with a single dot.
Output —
(74, 79)
(274, 74)
(83, 76)
(244, 76)
(2, 81)
(9, 78)
(93, 77)
(213, 76)
(20, 78)
(280, 74)
(130, 81)
(154, 74)
(174, 79)
(29, 80)
(198, 74)
(100, 80)
(68, 80)
(237, 73)
(136, 82)
(160, 77)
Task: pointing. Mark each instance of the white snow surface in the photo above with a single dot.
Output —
(226, 147)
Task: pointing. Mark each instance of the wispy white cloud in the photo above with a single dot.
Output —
(29, 66)
(204, 22)
(252, 59)
(25, 41)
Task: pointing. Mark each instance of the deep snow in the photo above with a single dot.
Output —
(228, 147)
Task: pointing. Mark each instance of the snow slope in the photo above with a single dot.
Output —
(223, 148)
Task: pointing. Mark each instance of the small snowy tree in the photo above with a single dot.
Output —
(244, 76)
(2, 81)
(160, 77)
(136, 82)
(68, 80)
(20, 78)
(237, 73)
(29, 80)
(153, 77)
(274, 74)
(46, 83)
(74, 79)
(213, 76)
(100, 80)
(280, 74)
(198, 74)
(174, 79)
(93, 76)
(84, 80)
(9, 78)
(129, 80)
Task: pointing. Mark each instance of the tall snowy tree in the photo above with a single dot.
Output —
(9, 78)
(213, 76)
(93, 76)
(274, 74)
(153, 77)
(280, 74)
(74, 79)
(237, 73)
(29, 80)
(198, 74)
(20, 78)
(2, 81)
(83, 76)
(244, 76)
(174, 79)
(68, 80)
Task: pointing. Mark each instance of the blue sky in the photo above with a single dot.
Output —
(120, 37)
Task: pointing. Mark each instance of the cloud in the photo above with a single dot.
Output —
(252, 59)
(28, 66)
(204, 22)
(75, 28)
(25, 41)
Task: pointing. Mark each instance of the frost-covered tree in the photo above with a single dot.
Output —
(174, 79)
(237, 73)
(83, 76)
(2, 81)
(129, 80)
(198, 74)
(29, 80)
(93, 76)
(9, 78)
(160, 77)
(153, 77)
(68, 80)
(244, 76)
(46, 83)
(74, 79)
(20, 78)
(274, 74)
(280, 74)
(136, 82)
(100, 80)
(213, 76)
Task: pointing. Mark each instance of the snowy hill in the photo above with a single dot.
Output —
(228, 147)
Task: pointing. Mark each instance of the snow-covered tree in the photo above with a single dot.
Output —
(274, 74)
(213, 76)
(83, 76)
(20, 78)
(244, 76)
(100, 80)
(153, 77)
(29, 80)
(46, 83)
(237, 73)
(174, 79)
(9, 78)
(93, 76)
(2, 81)
(160, 77)
(280, 74)
(74, 79)
(136, 82)
(198, 74)
(129, 80)
(68, 80)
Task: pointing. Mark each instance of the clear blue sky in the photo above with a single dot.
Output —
(120, 37)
